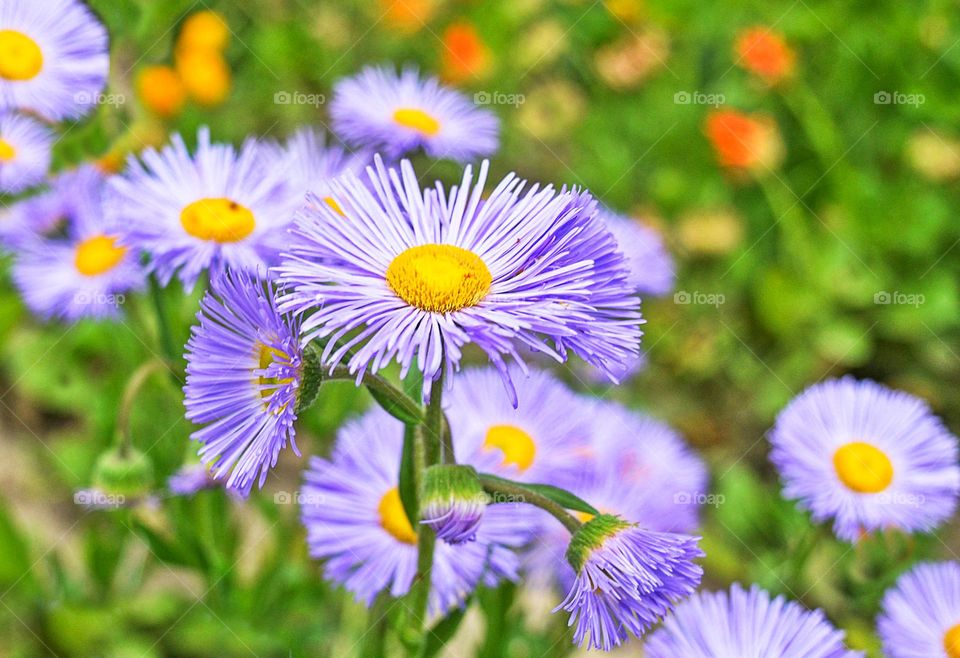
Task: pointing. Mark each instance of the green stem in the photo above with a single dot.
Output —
(397, 403)
(791, 219)
(130, 392)
(426, 455)
(167, 345)
(494, 486)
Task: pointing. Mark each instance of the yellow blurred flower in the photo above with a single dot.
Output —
(408, 16)
(710, 232)
(936, 157)
(542, 44)
(204, 30)
(161, 91)
(627, 63)
(205, 75)
(628, 11)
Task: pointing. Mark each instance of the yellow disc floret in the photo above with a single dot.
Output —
(7, 151)
(951, 641)
(97, 255)
(517, 446)
(268, 385)
(218, 220)
(393, 518)
(439, 278)
(862, 467)
(20, 56)
(417, 120)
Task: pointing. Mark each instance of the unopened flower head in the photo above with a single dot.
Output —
(452, 502)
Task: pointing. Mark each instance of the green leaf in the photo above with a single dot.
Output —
(396, 410)
(408, 480)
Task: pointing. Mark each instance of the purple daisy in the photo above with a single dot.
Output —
(746, 624)
(650, 264)
(396, 114)
(867, 457)
(245, 378)
(627, 579)
(921, 613)
(24, 152)
(218, 208)
(53, 57)
(355, 521)
(543, 439)
(411, 275)
(85, 272)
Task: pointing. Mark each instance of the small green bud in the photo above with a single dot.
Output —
(311, 377)
(452, 502)
(123, 472)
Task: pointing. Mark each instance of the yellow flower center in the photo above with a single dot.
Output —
(418, 120)
(517, 446)
(583, 516)
(219, 220)
(7, 151)
(336, 206)
(394, 519)
(98, 255)
(863, 467)
(951, 641)
(439, 277)
(267, 356)
(20, 56)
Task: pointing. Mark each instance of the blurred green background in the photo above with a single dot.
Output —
(841, 257)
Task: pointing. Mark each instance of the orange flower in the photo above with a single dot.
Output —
(465, 55)
(408, 16)
(765, 54)
(205, 74)
(161, 91)
(204, 30)
(744, 142)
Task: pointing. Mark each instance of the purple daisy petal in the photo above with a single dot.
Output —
(746, 624)
(24, 152)
(921, 613)
(396, 114)
(650, 264)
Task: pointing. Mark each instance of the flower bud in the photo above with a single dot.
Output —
(123, 472)
(452, 502)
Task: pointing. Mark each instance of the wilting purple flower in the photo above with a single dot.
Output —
(866, 456)
(412, 276)
(650, 264)
(53, 57)
(245, 377)
(543, 439)
(921, 613)
(24, 152)
(396, 114)
(355, 520)
(190, 479)
(633, 466)
(218, 208)
(627, 579)
(746, 624)
(83, 272)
